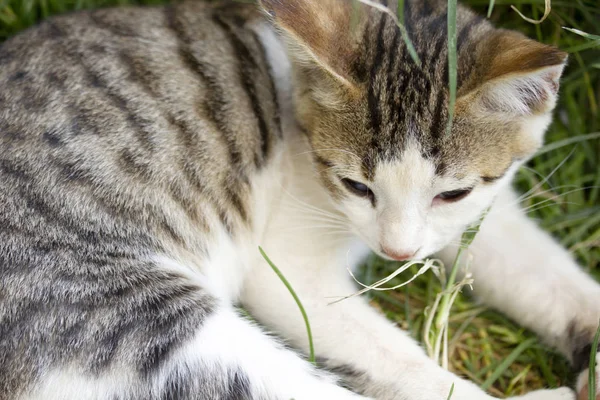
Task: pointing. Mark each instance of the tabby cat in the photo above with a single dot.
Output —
(146, 153)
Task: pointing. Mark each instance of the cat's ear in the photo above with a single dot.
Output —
(518, 76)
(324, 33)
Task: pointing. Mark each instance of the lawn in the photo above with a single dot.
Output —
(484, 345)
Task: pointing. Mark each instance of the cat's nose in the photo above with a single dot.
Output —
(398, 255)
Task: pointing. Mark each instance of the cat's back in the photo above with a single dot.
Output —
(105, 73)
(126, 135)
(122, 108)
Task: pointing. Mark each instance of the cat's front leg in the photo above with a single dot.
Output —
(521, 271)
(351, 338)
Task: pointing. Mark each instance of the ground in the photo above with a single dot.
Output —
(485, 346)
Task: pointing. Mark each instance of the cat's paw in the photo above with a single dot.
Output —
(583, 385)
(550, 394)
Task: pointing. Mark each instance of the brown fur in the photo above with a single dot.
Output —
(323, 29)
(391, 99)
(138, 131)
(123, 132)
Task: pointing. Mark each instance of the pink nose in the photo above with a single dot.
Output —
(398, 256)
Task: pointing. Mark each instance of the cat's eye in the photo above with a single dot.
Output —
(359, 189)
(453, 195)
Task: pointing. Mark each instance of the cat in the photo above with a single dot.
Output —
(146, 153)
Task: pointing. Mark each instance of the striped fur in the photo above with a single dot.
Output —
(380, 99)
(119, 141)
(145, 153)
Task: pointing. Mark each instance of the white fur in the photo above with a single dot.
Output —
(406, 219)
(517, 268)
(512, 95)
(535, 126)
(350, 332)
(523, 272)
(227, 341)
(557, 394)
(223, 344)
(69, 384)
(307, 241)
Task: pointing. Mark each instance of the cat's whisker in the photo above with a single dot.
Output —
(543, 193)
(550, 195)
(314, 214)
(525, 167)
(306, 206)
(550, 199)
(340, 235)
(553, 200)
(334, 167)
(332, 149)
(311, 215)
(318, 215)
(331, 228)
(543, 181)
(309, 207)
(333, 224)
(532, 208)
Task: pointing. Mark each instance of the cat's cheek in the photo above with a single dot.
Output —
(441, 235)
(432, 245)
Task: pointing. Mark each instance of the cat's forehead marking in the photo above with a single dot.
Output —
(397, 99)
(410, 172)
(405, 100)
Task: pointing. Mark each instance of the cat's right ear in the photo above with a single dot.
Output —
(517, 76)
(322, 33)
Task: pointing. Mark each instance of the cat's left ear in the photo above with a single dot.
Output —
(322, 33)
(517, 76)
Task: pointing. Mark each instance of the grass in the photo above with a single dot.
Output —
(311, 351)
(592, 366)
(485, 346)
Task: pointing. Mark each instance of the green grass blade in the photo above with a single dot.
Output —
(507, 362)
(452, 62)
(490, 8)
(451, 391)
(311, 352)
(565, 142)
(592, 372)
(400, 11)
(584, 34)
(404, 33)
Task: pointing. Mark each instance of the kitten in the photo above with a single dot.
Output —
(146, 153)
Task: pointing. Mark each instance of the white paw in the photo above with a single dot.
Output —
(551, 394)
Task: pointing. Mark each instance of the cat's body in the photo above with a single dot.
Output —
(145, 154)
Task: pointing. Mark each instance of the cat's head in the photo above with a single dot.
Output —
(377, 121)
